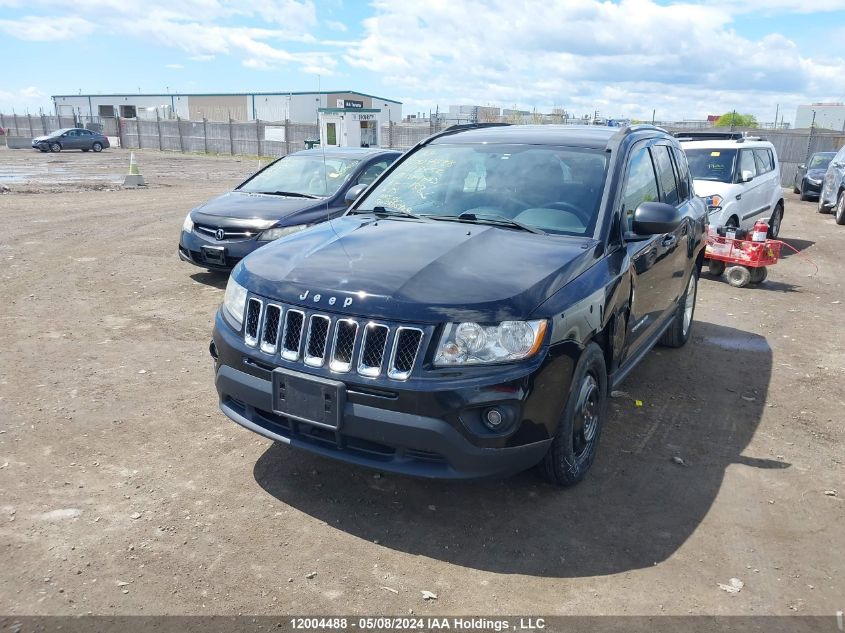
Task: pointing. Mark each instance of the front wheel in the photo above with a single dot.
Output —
(775, 222)
(678, 333)
(55, 147)
(802, 194)
(574, 446)
(821, 208)
(840, 208)
(97, 147)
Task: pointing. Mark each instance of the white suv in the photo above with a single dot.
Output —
(739, 178)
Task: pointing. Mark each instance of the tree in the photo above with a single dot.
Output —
(736, 120)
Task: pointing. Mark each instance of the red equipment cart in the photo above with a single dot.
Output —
(742, 261)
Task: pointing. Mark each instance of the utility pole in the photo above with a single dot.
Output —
(810, 137)
(653, 114)
(777, 111)
(733, 120)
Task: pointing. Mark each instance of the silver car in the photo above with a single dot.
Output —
(71, 138)
(832, 196)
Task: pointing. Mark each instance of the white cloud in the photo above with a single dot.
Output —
(334, 25)
(624, 58)
(174, 66)
(28, 98)
(46, 29)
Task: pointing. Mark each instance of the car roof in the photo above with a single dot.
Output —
(725, 144)
(346, 152)
(593, 136)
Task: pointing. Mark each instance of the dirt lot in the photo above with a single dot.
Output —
(124, 490)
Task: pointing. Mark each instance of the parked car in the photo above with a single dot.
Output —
(738, 176)
(809, 176)
(832, 196)
(288, 195)
(470, 313)
(71, 138)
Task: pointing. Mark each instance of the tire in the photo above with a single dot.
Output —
(97, 147)
(821, 208)
(678, 332)
(738, 276)
(775, 221)
(758, 275)
(795, 188)
(574, 446)
(840, 208)
(716, 267)
(55, 147)
(84, 150)
(802, 195)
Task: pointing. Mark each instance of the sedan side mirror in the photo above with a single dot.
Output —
(654, 218)
(747, 176)
(353, 193)
(802, 166)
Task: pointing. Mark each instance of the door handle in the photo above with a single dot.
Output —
(669, 241)
(739, 196)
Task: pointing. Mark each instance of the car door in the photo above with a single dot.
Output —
(834, 178)
(769, 179)
(73, 140)
(753, 196)
(651, 258)
(86, 139)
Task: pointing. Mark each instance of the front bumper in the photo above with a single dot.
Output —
(191, 250)
(810, 188)
(408, 429)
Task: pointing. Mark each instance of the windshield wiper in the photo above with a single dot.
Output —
(385, 212)
(489, 219)
(291, 194)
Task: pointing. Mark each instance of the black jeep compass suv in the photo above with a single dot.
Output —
(469, 314)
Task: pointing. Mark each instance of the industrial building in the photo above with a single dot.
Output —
(296, 107)
(826, 116)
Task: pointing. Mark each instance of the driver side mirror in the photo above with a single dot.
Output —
(747, 176)
(655, 218)
(802, 166)
(353, 193)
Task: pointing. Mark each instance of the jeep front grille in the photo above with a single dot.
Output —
(338, 343)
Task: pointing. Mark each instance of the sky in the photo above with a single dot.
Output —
(625, 58)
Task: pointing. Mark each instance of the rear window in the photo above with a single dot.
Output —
(712, 164)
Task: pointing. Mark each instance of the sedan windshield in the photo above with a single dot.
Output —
(299, 175)
(550, 189)
(820, 161)
(712, 164)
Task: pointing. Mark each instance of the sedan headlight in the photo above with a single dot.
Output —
(274, 234)
(234, 301)
(814, 181)
(188, 224)
(475, 344)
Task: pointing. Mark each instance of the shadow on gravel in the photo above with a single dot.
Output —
(212, 278)
(797, 244)
(636, 508)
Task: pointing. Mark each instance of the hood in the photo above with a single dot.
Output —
(416, 270)
(240, 205)
(40, 138)
(705, 188)
(816, 174)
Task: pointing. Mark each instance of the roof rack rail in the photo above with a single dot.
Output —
(460, 127)
(711, 136)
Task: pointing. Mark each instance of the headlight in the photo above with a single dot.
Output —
(234, 301)
(474, 344)
(273, 234)
(188, 224)
(815, 181)
(713, 202)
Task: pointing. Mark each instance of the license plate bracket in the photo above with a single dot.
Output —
(310, 399)
(214, 255)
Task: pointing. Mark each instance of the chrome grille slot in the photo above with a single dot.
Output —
(270, 331)
(373, 345)
(292, 334)
(406, 345)
(317, 339)
(228, 233)
(343, 345)
(252, 321)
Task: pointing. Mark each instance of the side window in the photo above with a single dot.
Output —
(747, 163)
(764, 160)
(684, 180)
(665, 174)
(640, 185)
(372, 172)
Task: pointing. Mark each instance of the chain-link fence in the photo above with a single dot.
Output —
(278, 138)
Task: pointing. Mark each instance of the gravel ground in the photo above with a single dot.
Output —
(124, 490)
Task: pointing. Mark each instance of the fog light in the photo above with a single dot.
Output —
(493, 419)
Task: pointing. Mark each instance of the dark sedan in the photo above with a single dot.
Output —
(809, 177)
(71, 138)
(288, 195)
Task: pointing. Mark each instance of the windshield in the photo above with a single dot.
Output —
(820, 161)
(712, 164)
(302, 175)
(553, 189)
